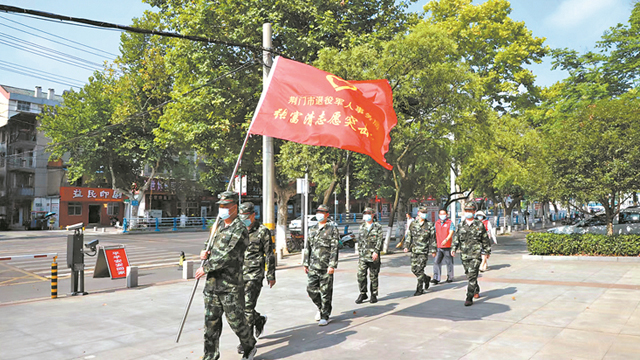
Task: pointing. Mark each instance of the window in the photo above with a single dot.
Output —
(75, 208)
(24, 106)
(113, 209)
(629, 218)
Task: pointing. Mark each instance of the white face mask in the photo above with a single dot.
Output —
(423, 216)
(442, 217)
(468, 215)
(366, 217)
(224, 213)
(320, 217)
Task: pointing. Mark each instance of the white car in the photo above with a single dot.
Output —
(626, 222)
(297, 223)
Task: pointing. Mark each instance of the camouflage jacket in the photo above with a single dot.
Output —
(369, 241)
(421, 238)
(224, 266)
(259, 252)
(321, 251)
(471, 239)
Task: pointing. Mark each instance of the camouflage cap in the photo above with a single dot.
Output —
(422, 209)
(470, 206)
(323, 208)
(227, 197)
(368, 210)
(247, 208)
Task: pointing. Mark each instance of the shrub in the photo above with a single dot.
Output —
(583, 244)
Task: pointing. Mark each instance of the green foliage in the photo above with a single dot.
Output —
(583, 244)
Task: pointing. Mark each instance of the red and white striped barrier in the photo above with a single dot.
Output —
(21, 257)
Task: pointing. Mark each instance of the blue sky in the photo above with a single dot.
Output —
(575, 24)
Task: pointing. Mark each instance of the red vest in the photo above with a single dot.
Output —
(442, 231)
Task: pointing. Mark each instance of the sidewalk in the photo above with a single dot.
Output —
(528, 310)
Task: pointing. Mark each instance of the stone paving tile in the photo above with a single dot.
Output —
(624, 348)
(576, 344)
(599, 322)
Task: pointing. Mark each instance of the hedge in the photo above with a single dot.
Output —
(583, 244)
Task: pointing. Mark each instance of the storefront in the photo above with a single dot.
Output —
(95, 206)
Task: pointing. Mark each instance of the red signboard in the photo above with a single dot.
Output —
(89, 194)
(118, 262)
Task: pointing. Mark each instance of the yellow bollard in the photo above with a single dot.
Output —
(182, 259)
(54, 278)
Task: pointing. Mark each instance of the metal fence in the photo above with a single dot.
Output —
(166, 224)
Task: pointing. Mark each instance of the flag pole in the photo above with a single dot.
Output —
(235, 171)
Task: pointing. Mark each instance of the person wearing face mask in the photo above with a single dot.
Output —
(224, 287)
(444, 234)
(487, 225)
(260, 253)
(471, 239)
(369, 247)
(320, 262)
(420, 240)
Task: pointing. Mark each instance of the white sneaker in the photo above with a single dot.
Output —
(251, 354)
(318, 316)
(323, 322)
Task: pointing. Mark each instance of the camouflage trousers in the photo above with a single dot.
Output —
(232, 305)
(418, 263)
(471, 268)
(320, 290)
(252, 290)
(374, 269)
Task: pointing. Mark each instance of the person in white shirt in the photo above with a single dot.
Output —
(484, 266)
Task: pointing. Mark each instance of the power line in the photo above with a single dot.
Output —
(48, 56)
(55, 41)
(103, 24)
(41, 77)
(49, 50)
(22, 67)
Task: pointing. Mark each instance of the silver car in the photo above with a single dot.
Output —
(626, 222)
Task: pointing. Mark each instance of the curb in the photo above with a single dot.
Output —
(622, 259)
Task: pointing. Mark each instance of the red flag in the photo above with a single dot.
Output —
(310, 106)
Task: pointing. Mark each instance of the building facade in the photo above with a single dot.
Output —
(23, 157)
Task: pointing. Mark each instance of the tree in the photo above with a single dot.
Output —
(597, 153)
(108, 127)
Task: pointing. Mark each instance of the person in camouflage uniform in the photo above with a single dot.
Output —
(421, 238)
(224, 287)
(259, 253)
(320, 262)
(369, 247)
(472, 240)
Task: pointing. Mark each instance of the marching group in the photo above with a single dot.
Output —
(242, 249)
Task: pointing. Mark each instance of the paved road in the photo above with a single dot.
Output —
(527, 310)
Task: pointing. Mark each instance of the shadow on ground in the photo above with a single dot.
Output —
(311, 337)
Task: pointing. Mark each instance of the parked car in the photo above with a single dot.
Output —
(626, 222)
(296, 224)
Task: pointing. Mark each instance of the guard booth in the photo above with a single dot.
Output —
(75, 258)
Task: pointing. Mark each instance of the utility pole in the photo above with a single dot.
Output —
(268, 170)
(452, 210)
(346, 210)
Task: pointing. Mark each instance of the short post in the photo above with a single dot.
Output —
(175, 224)
(187, 270)
(124, 225)
(181, 261)
(157, 224)
(54, 278)
(204, 223)
(132, 276)
(354, 217)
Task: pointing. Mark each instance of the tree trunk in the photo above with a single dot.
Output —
(329, 192)
(392, 215)
(283, 195)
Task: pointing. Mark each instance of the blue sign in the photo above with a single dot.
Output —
(135, 203)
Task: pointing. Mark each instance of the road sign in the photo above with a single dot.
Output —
(301, 185)
(135, 203)
(112, 262)
(240, 184)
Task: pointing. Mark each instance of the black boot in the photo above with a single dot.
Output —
(427, 282)
(361, 298)
(240, 349)
(419, 289)
(469, 300)
(374, 299)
